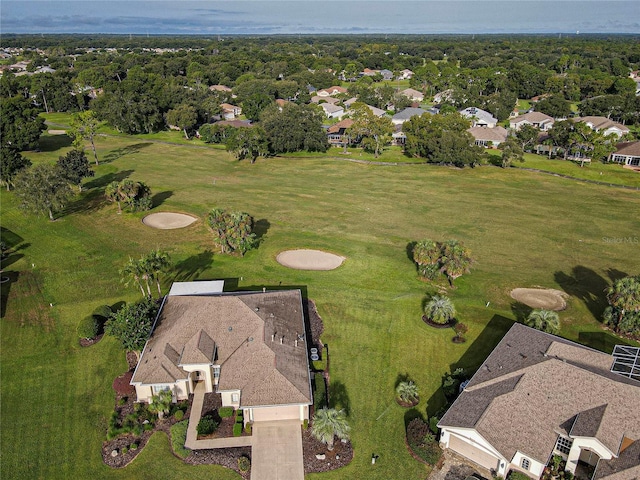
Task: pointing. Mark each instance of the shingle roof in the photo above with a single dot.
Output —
(601, 123)
(534, 386)
(629, 148)
(341, 125)
(238, 328)
(496, 134)
(479, 114)
(532, 117)
(407, 113)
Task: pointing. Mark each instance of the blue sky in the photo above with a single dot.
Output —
(312, 16)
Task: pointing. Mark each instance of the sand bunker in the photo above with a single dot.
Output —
(547, 299)
(168, 220)
(309, 259)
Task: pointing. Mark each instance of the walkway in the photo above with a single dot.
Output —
(192, 441)
(277, 451)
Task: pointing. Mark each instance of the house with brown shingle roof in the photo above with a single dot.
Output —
(538, 120)
(248, 347)
(604, 125)
(539, 395)
(627, 153)
(337, 133)
(328, 92)
(488, 137)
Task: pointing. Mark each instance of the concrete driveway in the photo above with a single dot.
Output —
(276, 452)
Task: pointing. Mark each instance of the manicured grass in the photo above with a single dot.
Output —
(524, 229)
(597, 171)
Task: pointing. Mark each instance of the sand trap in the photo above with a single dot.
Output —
(547, 299)
(168, 220)
(309, 259)
(57, 132)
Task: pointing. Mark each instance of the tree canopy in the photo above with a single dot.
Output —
(132, 324)
(293, 128)
(233, 231)
(623, 312)
(75, 167)
(42, 189)
(20, 125)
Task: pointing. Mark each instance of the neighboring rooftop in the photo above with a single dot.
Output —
(546, 385)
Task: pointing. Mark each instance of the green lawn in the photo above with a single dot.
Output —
(523, 228)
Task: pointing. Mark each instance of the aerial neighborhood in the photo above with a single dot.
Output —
(331, 257)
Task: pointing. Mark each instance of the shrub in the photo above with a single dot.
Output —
(237, 429)
(244, 463)
(305, 424)
(102, 313)
(124, 450)
(513, 475)
(320, 393)
(239, 416)
(134, 446)
(178, 437)
(422, 442)
(225, 412)
(179, 415)
(433, 424)
(206, 425)
(88, 327)
(247, 428)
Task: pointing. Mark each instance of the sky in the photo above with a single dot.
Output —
(213, 17)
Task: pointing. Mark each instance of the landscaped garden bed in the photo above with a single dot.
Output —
(317, 458)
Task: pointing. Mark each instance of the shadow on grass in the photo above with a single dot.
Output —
(5, 289)
(338, 397)
(121, 152)
(192, 267)
(9, 260)
(412, 414)
(409, 251)
(603, 341)
(521, 311)
(51, 143)
(471, 360)
(159, 198)
(402, 377)
(105, 180)
(585, 284)
(11, 238)
(260, 228)
(90, 201)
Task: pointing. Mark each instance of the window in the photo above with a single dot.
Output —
(159, 388)
(525, 463)
(563, 445)
(235, 397)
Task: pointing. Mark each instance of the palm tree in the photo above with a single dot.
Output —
(329, 423)
(427, 255)
(156, 262)
(113, 194)
(456, 260)
(624, 298)
(161, 403)
(132, 273)
(544, 320)
(440, 309)
(407, 391)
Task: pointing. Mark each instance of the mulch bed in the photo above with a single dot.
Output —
(438, 325)
(315, 324)
(457, 339)
(227, 457)
(407, 404)
(340, 456)
(87, 342)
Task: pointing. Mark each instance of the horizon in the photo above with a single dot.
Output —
(312, 17)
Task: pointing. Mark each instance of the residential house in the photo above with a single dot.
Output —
(328, 92)
(398, 137)
(367, 72)
(248, 347)
(405, 74)
(378, 112)
(604, 125)
(627, 153)
(488, 137)
(404, 115)
(538, 120)
(219, 88)
(349, 102)
(443, 96)
(332, 111)
(479, 117)
(413, 95)
(386, 74)
(336, 133)
(230, 112)
(539, 395)
(318, 99)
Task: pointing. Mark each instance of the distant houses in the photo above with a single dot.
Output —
(604, 125)
(538, 120)
(489, 137)
(479, 117)
(627, 154)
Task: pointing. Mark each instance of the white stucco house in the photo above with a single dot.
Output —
(604, 125)
(538, 120)
(627, 153)
(248, 347)
(479, 117)
(537, 395)
(488, 137)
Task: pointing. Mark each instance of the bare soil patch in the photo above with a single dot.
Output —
(168, 220)
(546, 298)
(306, 259)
